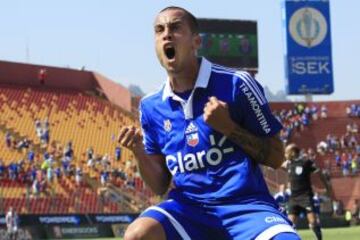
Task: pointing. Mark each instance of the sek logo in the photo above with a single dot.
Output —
(194, 161)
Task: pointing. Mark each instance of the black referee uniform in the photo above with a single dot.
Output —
(301, 198)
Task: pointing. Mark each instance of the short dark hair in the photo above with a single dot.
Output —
(294, 148)
(193, 23)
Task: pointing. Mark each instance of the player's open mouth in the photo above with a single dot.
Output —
(170, 52)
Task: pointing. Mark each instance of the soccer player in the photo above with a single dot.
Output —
(317, 204)
(301, 198)
(206, 129)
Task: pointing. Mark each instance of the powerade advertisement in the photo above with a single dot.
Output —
(308, 60)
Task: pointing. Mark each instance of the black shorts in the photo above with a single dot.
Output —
(301, 204)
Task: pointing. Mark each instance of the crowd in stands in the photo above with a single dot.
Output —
(297, 119)
(42, 130)
(345, 149)
(353, 110)
(39, 169)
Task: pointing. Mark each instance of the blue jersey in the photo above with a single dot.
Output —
(205, 165)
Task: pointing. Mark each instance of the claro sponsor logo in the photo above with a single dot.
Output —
(255, 106)
(194, 161)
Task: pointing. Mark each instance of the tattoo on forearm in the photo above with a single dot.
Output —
(257, 147)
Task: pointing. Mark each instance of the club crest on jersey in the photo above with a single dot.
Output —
(167, 125)
(298, 170)
(192, 136)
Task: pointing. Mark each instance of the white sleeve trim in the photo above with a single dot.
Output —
(274, 230)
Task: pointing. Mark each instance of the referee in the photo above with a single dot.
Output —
(301, 199)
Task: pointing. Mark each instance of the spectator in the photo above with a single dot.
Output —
(90, 153)
(119, 173)
(337, 159)
(322, 147)
(78, 176)
(305, 120)
(24, 143)
(352, 141)
(45, 137)
(314, 112)
(35, 188)
(8, 139)
(354, 164)
(343, 142)
(91, 163)
(353, 110)
(348, 128)
(345, 167)
(38, 128)
(66, 166)
(105, 161)
(323, 111)
(42, 75)
(348, 111)
(104, 177)
(68, 151)
(57, 172)
(13, 171)
(117, 153)
(299, 108)
(49, 174)
(31, 156)
(354, 128)
(45, 165)
(33, 173)
(12, 223)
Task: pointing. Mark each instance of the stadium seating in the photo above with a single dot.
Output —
(88, 120)
(83, 119)
(335, 123)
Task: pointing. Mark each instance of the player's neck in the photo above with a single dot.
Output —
(185, 80)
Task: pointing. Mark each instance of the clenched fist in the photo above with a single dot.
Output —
(216, 114)
(130, 137)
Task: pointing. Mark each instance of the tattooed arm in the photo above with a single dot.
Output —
(268, 151)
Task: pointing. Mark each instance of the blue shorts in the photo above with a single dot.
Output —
(219, 222)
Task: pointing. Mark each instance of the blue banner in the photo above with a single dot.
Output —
(308, 61)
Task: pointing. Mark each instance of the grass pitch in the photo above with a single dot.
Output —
(349, 233)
